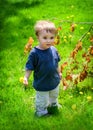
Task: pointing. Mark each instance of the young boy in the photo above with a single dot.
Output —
(43, 60)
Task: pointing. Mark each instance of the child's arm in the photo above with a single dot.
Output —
(26, 77)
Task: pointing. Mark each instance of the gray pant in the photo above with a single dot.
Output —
(45, 99)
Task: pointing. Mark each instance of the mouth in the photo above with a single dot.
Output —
(48, 44)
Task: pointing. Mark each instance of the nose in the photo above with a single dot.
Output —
(48, 40)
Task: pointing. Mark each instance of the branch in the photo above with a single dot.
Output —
(69, 21)
(83, 36)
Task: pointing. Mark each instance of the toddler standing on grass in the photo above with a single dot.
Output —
(43, 60)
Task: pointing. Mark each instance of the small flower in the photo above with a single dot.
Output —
(72, 6)
(71, 96)
(65, 40)
(70, 36)
(81, 93)
(89, 98)
(72, 16)
(65, 37)
(21, 79)
(88, 33)
(75, 25)
(82, 28)
(67, 17)
(74, 106)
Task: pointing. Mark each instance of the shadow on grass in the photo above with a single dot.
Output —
(9, 10)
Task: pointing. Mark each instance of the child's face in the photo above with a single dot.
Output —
(46, 39)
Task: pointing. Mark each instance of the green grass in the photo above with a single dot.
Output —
(17, 21)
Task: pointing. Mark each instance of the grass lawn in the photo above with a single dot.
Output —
(17, 19)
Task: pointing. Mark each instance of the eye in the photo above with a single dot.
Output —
(44, 37)
(51, 37)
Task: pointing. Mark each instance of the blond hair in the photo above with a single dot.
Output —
(45, 25)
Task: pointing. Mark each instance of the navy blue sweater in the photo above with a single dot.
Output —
(44, 63)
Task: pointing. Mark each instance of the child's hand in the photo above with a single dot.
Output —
(60, 74)
(25, 81)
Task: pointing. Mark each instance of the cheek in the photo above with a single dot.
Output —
(41, 40)
(52, 40)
